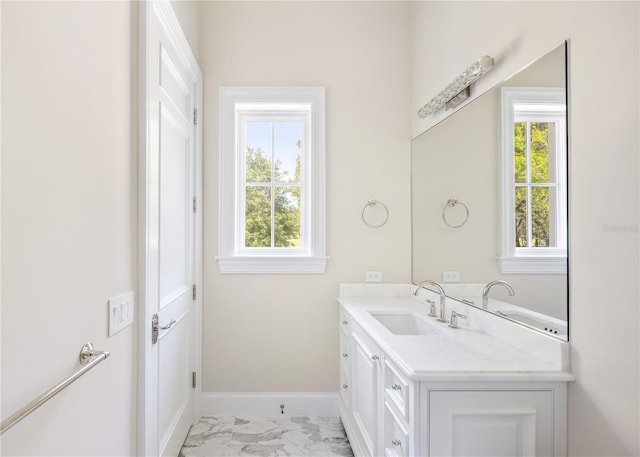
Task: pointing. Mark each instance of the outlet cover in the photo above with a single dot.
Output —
(450, 276)
(373, 276)
(121, 309)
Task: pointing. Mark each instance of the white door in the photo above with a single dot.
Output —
(169, 171)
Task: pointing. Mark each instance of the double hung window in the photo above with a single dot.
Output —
(272, 180)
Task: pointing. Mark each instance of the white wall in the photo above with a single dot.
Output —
(278, 333)
(604, 205)
(69, 158)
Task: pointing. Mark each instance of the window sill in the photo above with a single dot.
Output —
(272, 265)
(542, 265)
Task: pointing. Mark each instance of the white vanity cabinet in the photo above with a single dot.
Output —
(396, 412)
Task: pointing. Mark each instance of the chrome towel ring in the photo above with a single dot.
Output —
(450, 204)
(370, 204)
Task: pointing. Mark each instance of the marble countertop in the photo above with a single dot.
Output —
(464, 354)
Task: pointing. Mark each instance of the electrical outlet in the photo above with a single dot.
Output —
(120, 312)
(373, 276)
(450, 276)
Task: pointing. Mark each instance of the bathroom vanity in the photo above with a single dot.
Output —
(413, 386)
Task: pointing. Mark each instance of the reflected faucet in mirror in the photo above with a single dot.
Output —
(443, 297)
(487, 288)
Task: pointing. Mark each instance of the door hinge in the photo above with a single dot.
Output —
(195, 116)
(195, 204)
(193, 292)
(193, 380)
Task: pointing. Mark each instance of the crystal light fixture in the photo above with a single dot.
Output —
(460, 84)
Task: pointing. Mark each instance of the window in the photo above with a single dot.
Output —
(534, 189)
(272, 183)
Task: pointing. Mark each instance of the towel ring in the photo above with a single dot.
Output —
(371, 203)
(450, 204)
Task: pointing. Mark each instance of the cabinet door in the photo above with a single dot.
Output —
(366, 393)
(490, 423)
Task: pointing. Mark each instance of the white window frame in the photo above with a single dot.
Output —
(238, 104)
(532, 104)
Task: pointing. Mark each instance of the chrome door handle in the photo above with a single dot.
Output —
(155, 328)
(169, 325)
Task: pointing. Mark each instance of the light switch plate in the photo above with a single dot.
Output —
(121, 309)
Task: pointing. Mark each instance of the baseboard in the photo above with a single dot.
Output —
(324, 404)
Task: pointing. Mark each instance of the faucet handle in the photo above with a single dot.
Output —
(454, 319)
(432, 308)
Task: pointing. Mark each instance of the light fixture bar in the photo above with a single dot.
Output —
(463, 95)
(464, 80)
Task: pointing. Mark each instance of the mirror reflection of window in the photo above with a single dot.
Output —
(534, 169)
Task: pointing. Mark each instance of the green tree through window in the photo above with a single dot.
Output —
(270, 188)
(532, 183)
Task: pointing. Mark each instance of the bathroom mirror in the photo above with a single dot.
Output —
(458, 204)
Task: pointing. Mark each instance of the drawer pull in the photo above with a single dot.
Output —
(396, 387)
(344, 354)
(345, 386)
(396, 442)
(375, 357)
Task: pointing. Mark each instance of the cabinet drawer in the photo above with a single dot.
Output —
(345, 388)
(396, 436)
(344, 325)
(344, 354)
(396, 387)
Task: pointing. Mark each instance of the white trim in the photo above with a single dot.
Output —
(533, 265)
(268, 403)
(535, 260)
(312, 257)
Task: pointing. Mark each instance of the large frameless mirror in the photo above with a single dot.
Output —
(489, 199)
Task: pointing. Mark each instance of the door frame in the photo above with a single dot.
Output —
(147, 431)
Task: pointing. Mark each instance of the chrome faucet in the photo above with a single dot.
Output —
(487, 288)
(443, 297)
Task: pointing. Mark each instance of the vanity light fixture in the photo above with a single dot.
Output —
(458, 90)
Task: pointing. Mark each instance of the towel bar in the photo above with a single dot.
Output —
(89, 358)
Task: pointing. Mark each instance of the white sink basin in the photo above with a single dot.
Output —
(405, 324)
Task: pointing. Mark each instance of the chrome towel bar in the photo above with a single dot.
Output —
(89, 358)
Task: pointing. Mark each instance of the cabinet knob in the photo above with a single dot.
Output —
(344, 354)
(396, 442)
(396, 387)
(345, 386)
(345, 322)
(375, 357)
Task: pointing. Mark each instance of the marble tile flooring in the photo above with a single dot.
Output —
(267, 436)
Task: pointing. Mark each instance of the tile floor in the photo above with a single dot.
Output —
(267, 436)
